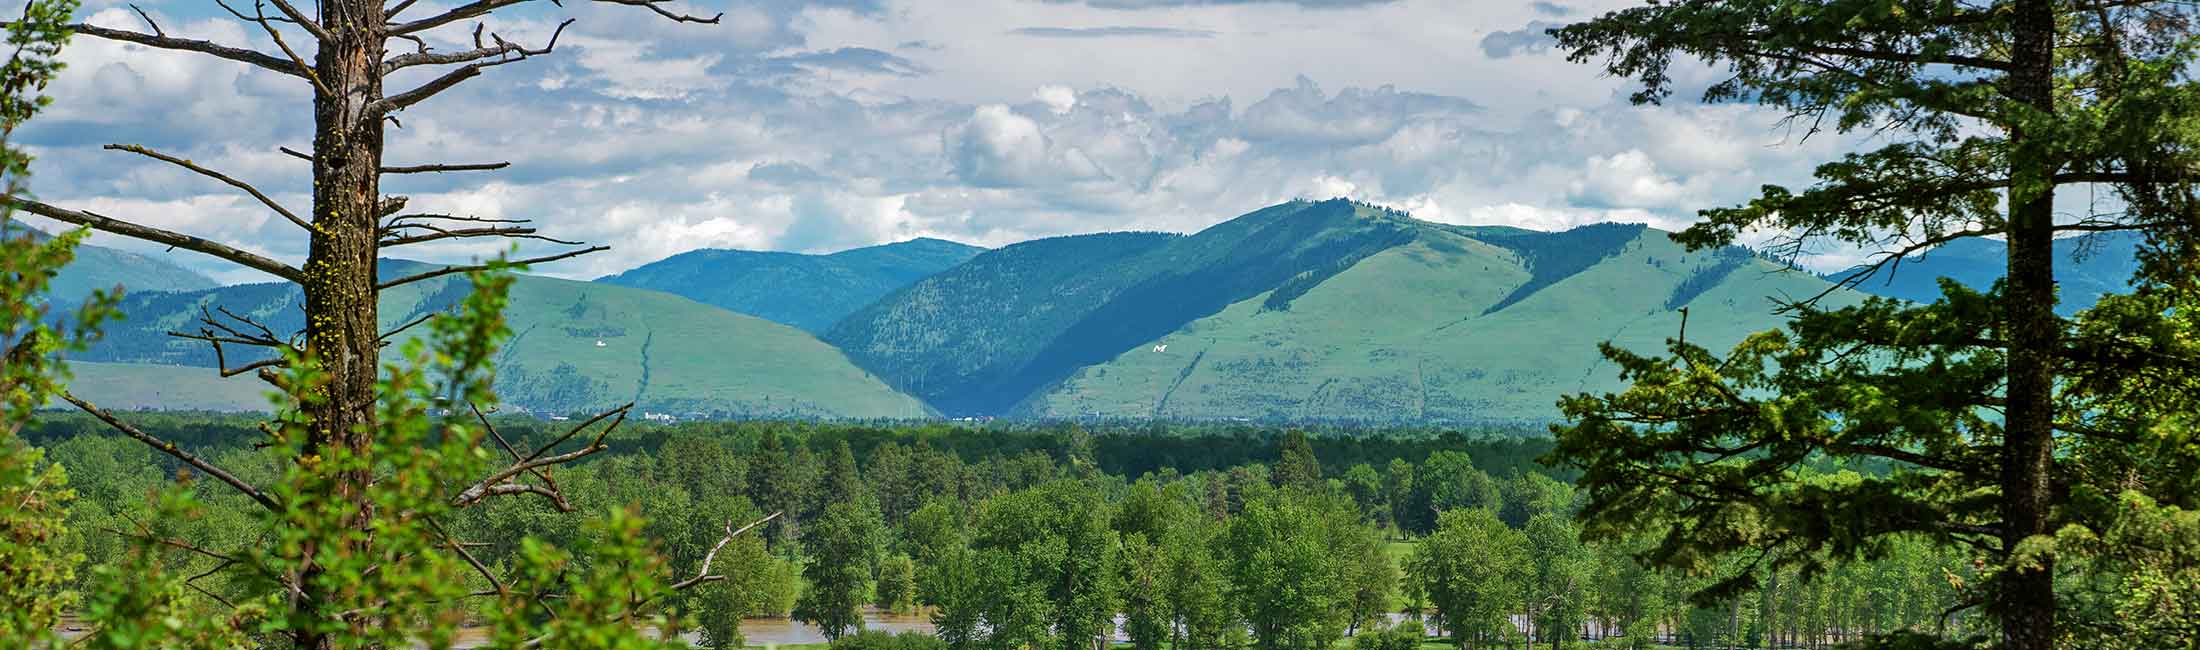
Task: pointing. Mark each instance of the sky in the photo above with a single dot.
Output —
(821, 126)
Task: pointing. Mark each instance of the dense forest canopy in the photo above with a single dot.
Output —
(1051, 535)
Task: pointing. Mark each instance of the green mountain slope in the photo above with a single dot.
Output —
(576, 346)
(1448, 328)
(1307, 311)
(99, 267)
(807, 291)
(978, 338)
(2085, 268)
(153, 387)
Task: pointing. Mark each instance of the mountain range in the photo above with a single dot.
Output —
(2086, 267)
(1306, 311)
(810, 292)
(576, 346)
(100, 268)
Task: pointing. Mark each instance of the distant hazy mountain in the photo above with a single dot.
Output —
(807, 291)
(99, 267)
(1312, 311)
(2085, 267)
(575, 346)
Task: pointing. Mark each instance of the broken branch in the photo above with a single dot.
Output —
(428, 275)
(171, 449)
(225, 178)
(157, 236)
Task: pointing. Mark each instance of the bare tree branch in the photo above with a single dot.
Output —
(188, 45)
(386, 336)
(392, 12)
(703, 574)
(266, 23)
(446, 167)
(506, 52)
(149, 21)
(512, 232)
(473, 9)
(300, 18)
(221, 358)
(395, 221)
(479, 8)
(501, 481)
(557, 496)
(171, 449)
(480, 51)
(231, 181)
(460, 548)
(658, 6)
(437, 273)
(158, 236)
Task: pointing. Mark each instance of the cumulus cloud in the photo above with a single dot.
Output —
(1303, 114)
(1161, 4)
(1059, 99)
(1526, 40)
(849, 59)
(823, 126)
(1627, 178)
(999, 148)
(1111, 31)
(786, 174)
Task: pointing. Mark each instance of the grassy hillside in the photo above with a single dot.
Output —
(99, 267)
(807, 291)
(576, 346)
(144, 386)
(2085, 268)
(1447, 328)
(978, 338)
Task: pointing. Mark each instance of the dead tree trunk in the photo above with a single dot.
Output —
(342, 330)
(349, 225)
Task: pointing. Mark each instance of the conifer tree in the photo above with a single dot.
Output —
(1990, 412)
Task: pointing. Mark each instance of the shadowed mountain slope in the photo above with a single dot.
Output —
(807, 291)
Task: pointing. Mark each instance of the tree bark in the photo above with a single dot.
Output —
(339, 283)
(2027, 597)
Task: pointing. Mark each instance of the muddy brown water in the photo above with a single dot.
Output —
(774, 632)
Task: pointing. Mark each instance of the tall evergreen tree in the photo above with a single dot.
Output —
(1296, 466)
(843, 481)
(1990, 111)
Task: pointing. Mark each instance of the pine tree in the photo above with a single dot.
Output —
(1989, 111)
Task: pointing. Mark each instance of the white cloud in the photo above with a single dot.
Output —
(1059, 99)
(824, 127)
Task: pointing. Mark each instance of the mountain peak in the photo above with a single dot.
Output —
(807, 291)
